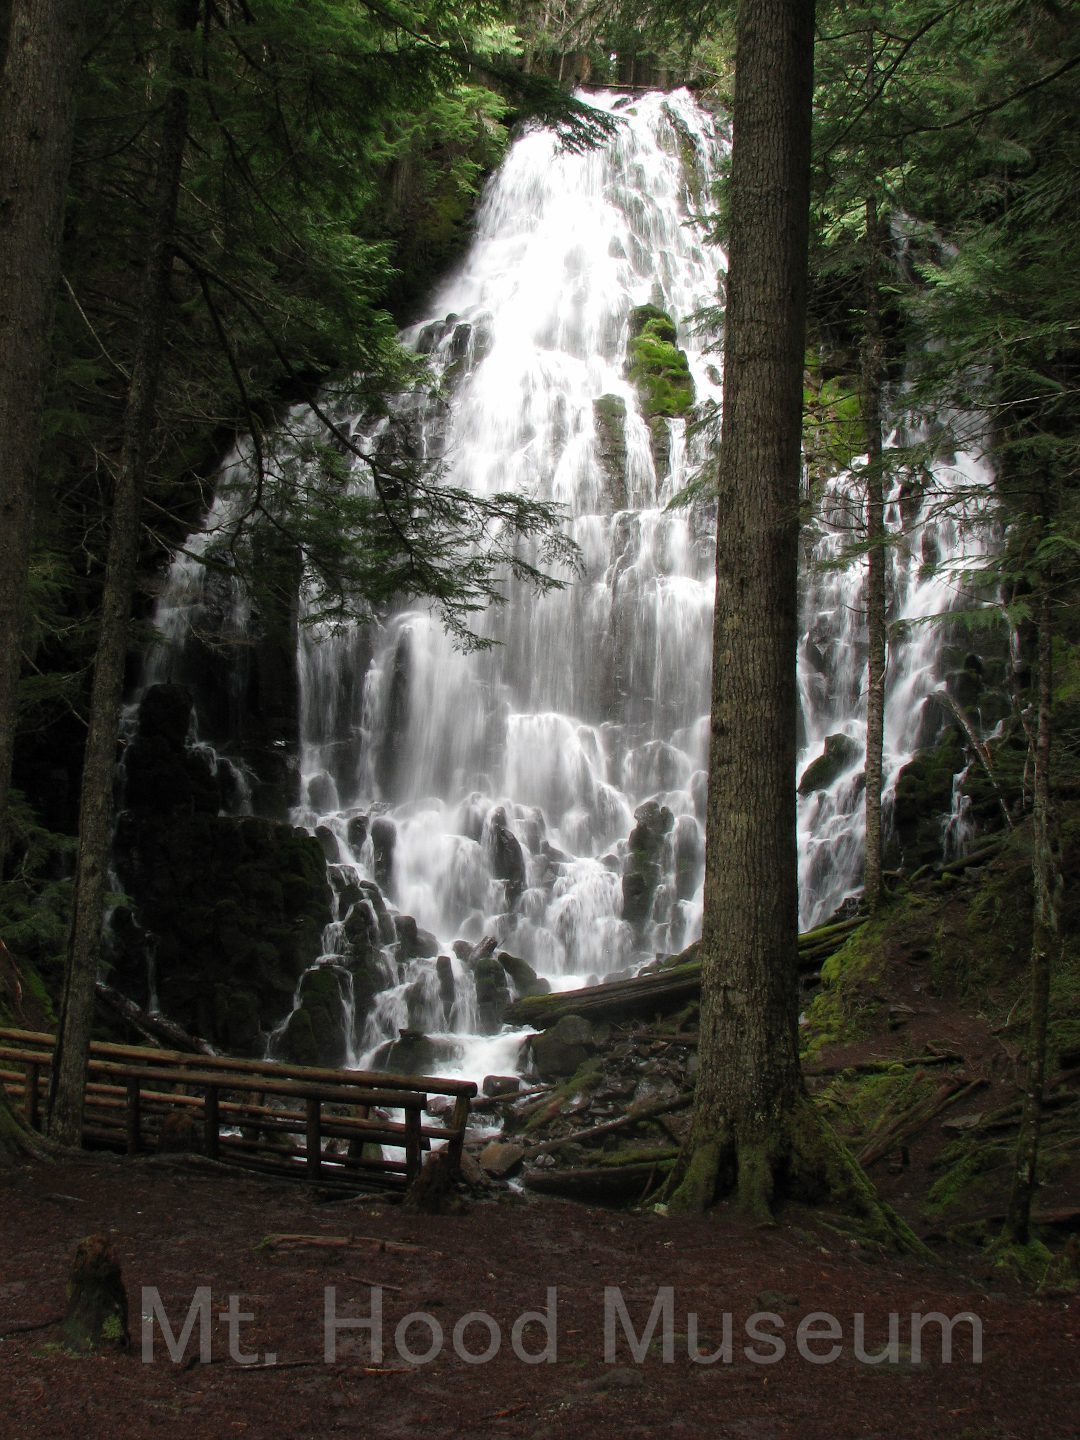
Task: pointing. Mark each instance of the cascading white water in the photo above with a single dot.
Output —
(593, 700)
(931, 543)
(494, 793)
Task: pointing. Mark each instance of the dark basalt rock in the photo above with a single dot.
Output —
(412, 942)
(924, 794)
(644, 870)
(444, 968)
(160, 773)
(492, 994)
(563, 1049)
(506, 857)
(840, 753)
(232, 909)
(383, 841)
(609, 414)
(415, 1054)
(524, 977)
(317, 1030)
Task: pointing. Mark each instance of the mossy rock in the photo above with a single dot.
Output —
(924, 797)
(840, 753)
(659, 370)
(844, 1006)
(609, 415)
(833, 430)
(316, 1032)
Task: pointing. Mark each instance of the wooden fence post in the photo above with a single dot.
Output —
(458, 1123)
(412, 1144)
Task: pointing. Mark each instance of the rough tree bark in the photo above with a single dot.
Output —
(37, 122)
(95, 812)
(754, 1129)
(1045, 941)
(749, 1083)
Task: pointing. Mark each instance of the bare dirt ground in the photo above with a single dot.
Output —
(180, 1225)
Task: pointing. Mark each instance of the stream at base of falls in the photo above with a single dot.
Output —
(531, 815)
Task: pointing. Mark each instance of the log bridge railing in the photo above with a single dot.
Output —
(286, 1119)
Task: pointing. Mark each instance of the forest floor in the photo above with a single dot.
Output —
(178, 1225)
(916, 1081)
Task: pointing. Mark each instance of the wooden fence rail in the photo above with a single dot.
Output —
(328, 1125)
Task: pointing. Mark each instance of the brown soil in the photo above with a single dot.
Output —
(178, 1225)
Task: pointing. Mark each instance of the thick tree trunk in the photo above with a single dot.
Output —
(37, 122)
(1045, 944)
(95, 812)
(749, 1084)
(872, 378)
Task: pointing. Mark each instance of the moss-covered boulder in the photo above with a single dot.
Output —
(923, 800)
(839, 754)
(317, 1031)
(522, 976)
(492, 994)
(644, 861)
(562, 1050)
(659, 370)
(609, 415)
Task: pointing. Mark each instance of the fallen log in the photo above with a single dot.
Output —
(632, 1116)
(343, 1242)
(910, 1122)
(610, 1183)
(158, 1029)
(879, 1067)
(659, 991)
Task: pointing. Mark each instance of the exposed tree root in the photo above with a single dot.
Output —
(802, 1160)
(16, 1141)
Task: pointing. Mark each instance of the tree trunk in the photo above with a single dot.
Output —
(37, 123)
(872, 376)
(749, 1084)
(95, 812)
(1045, 943)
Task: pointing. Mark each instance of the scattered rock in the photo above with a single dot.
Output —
(524, 977)
(840, 753)
(561, 1050)
(501, 1159)
(492, 994)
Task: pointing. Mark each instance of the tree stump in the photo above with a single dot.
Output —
(97, 1314)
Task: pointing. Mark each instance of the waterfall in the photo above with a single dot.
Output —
(510, 777)
(549, 792)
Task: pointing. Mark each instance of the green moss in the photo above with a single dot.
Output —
(833, 429)
(696, 1191)
(966, 1185)
(583, 1082)
(659, 370)
(984, 946)
(636, 1155)
(843, 1007)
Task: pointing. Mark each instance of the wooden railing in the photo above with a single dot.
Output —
(288, 1119)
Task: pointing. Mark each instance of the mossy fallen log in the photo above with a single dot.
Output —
(659, 991)
(611, 1184)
